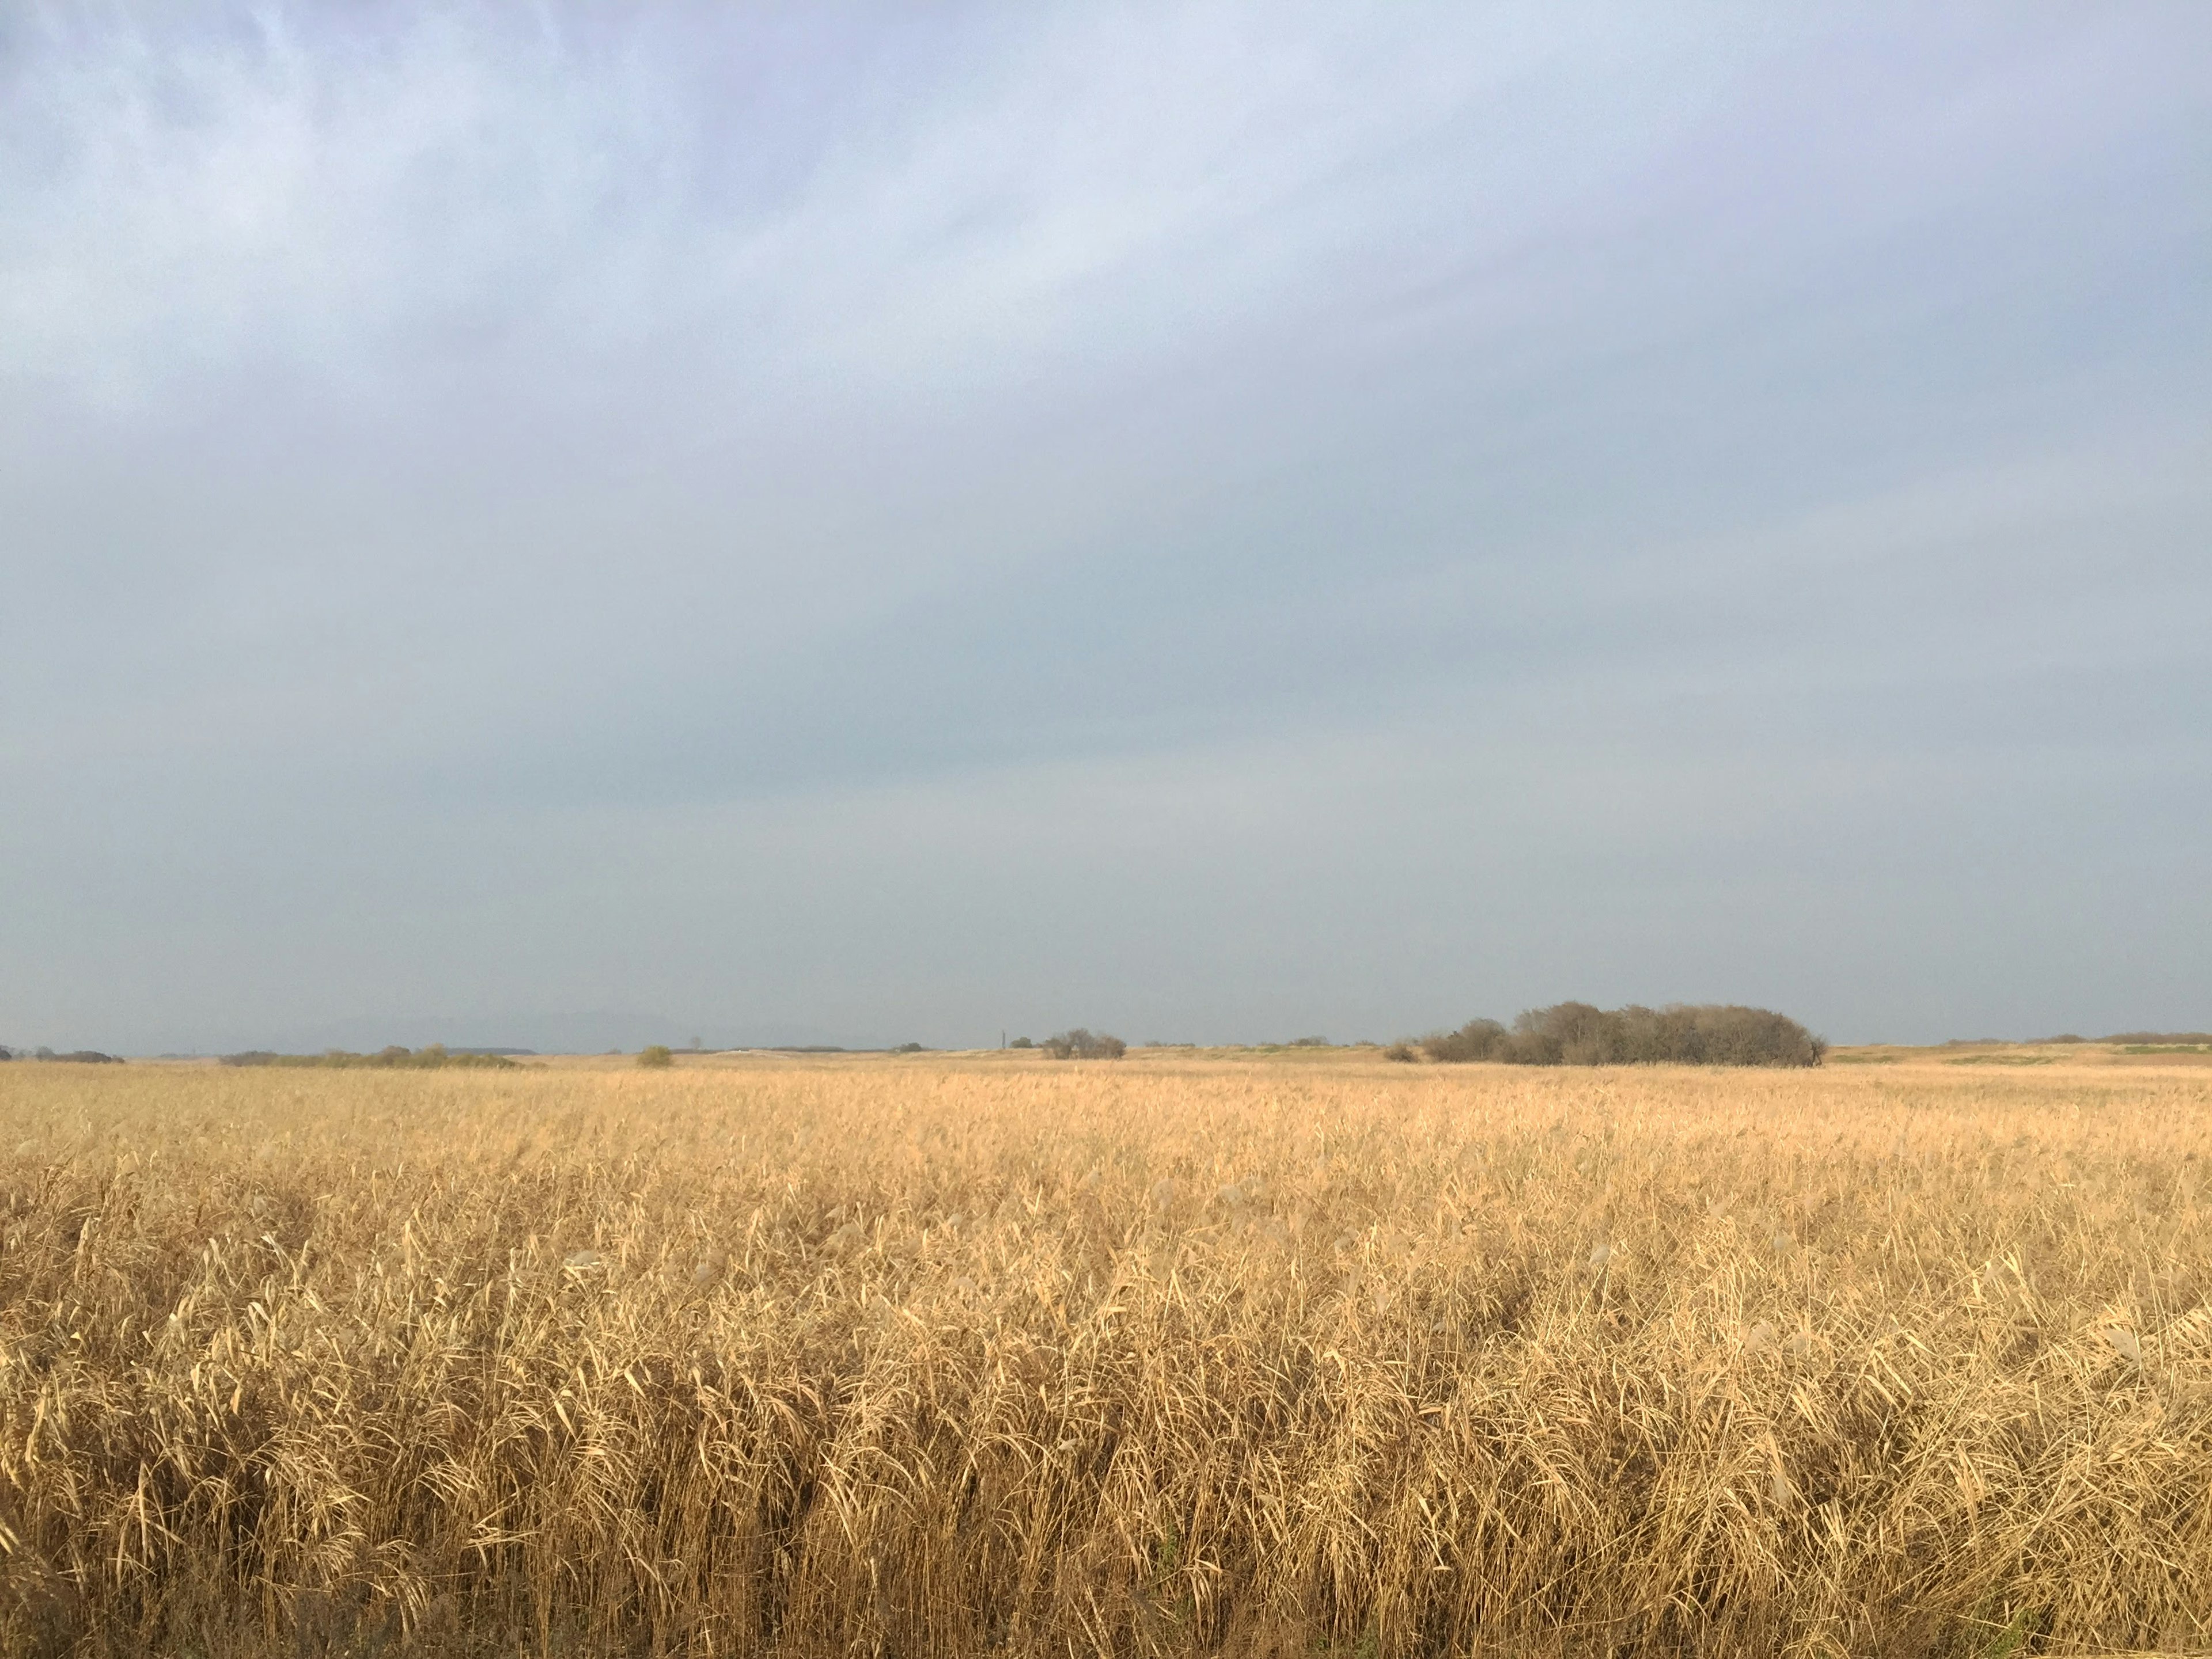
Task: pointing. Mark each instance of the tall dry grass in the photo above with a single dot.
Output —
(937, 1357)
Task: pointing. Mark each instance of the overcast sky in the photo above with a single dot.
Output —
(563, 526)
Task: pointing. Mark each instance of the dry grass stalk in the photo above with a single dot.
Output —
(1171, 1357)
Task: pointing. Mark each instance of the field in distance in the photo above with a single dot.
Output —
(2153, 1049)
(1196, 1351)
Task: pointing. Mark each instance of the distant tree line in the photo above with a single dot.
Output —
(394, 1058)
(1580, 1034)
(76, 1056)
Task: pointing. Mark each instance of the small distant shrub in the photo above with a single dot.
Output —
(1021, 1042)
(1581, 1033)
(908, 1049)
(1080, 1044)
(1403, 1052)
(655, 1056)
(81, 1057)
(1311, 1042)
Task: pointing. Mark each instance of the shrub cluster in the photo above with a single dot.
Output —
(655, 1057)
(1080, 1044)
(1578, 1034)
(394, 1057)
(79, 1056)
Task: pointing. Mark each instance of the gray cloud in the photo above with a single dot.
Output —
(1206, 521)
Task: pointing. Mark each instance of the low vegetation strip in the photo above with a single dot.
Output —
(436, 1057)
(941, 1357)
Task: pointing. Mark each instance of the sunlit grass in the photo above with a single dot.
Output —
(1170, 1355)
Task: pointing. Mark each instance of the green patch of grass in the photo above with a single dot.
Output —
(2015, 1635)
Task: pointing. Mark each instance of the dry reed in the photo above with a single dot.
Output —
(1177, 1356)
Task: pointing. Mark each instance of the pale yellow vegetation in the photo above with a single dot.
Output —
(1175, 1355)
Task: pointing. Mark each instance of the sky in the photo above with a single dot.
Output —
(573, 527)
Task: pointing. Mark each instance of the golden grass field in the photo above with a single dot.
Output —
(1300, 1354)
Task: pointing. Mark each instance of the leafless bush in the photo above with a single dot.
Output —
(1479, 1039)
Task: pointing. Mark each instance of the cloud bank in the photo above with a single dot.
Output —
(1214, 522)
